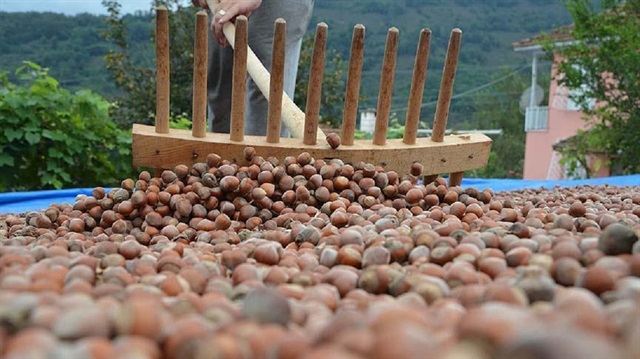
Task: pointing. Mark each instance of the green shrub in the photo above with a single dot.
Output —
(394, 130)
(52, 138)
(180, 122)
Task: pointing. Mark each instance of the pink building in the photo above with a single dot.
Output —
(547, 126)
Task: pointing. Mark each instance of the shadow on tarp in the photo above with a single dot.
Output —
(20, 202)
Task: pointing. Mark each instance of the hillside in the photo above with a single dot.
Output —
(488, 29)
(71, 46)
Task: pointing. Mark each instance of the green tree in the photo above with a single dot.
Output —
(497, 107)
(602, 65)
(136, 80)
(68, 45)
(52, 138)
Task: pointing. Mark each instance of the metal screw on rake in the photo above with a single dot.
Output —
(160, 147)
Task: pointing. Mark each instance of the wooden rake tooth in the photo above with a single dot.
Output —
(276, 86)
(430, 178)
(455, 178)
(387, 76)
(412, 120)
(239, 85)
(314, 90)
(162, 75)
(352, 95)
(444, 97)
(199, 112)
(162, 70)
(446, 86)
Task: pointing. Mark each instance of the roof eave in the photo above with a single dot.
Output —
(529, 48)
(540, 48)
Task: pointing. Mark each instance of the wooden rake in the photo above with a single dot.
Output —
(160, 147)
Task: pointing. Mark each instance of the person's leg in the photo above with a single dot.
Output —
(219, 83)
(297, 14)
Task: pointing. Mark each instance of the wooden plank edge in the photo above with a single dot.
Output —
(456, 153)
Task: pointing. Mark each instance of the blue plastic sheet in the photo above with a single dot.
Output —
(20, 202)
(511, 184)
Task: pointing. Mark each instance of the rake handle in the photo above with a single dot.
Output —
(292, 116)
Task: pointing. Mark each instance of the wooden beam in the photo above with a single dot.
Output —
(453, 154)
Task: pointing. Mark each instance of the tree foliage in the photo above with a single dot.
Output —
(68, 45)
(52, 138)
(498, 108)
(603, 64)
(136, 80)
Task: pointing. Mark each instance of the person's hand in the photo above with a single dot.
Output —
(228, 10)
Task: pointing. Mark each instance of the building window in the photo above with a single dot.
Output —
(575, 93)
(563, 99)
(536, 119)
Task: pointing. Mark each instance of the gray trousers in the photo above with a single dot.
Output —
(297, 14)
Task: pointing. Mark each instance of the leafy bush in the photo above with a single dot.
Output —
(180, 122)
(52, 138)
(394, 130)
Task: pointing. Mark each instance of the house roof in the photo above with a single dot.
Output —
(560, 34)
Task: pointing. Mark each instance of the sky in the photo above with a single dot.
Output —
(72, 7)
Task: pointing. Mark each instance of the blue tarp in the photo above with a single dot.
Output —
(19, 202)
